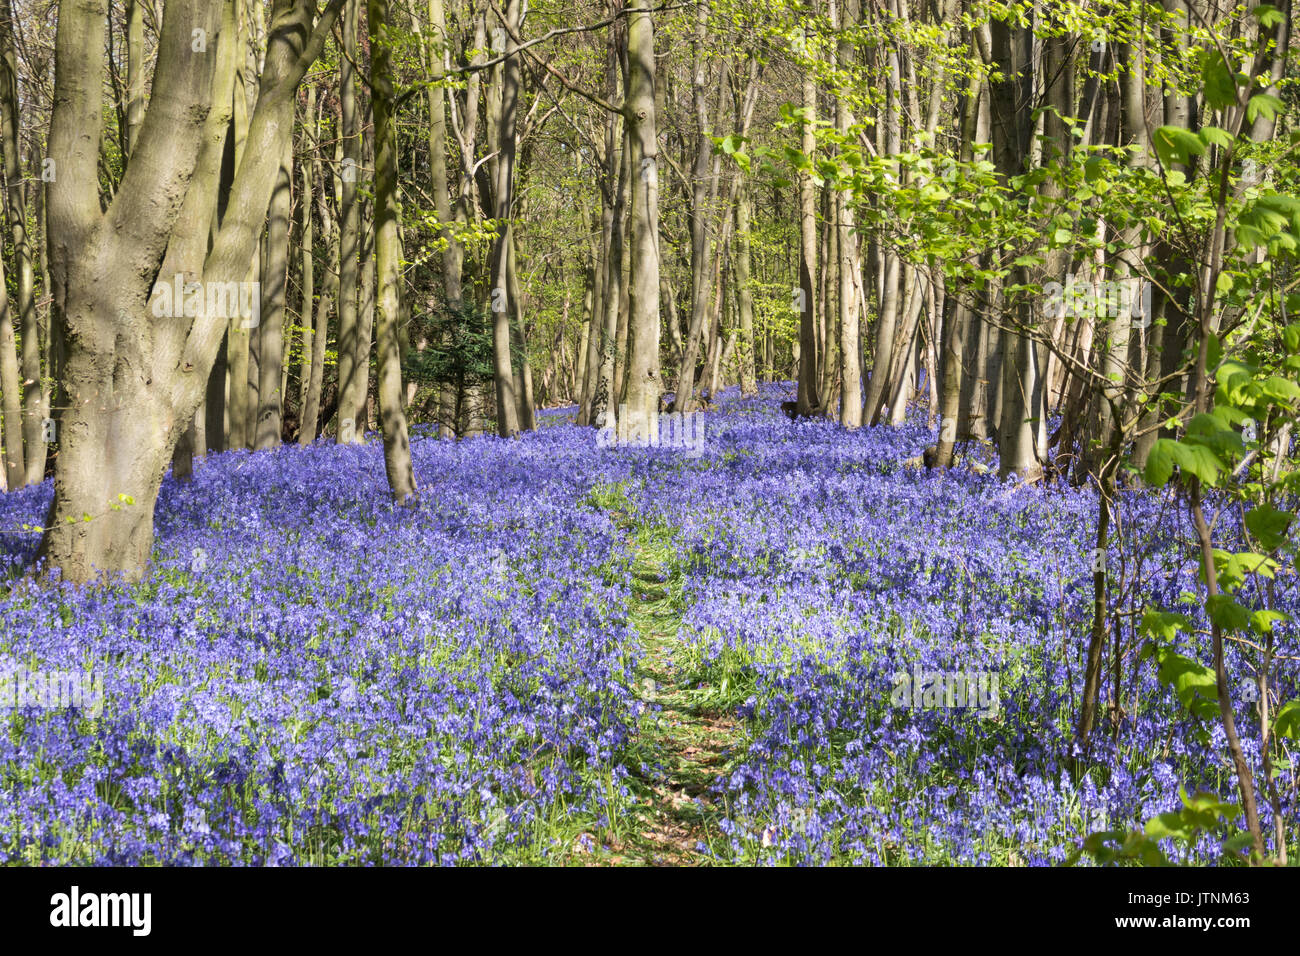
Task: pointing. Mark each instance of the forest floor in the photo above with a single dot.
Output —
(572, 655)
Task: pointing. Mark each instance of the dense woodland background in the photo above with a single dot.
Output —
(595, 205)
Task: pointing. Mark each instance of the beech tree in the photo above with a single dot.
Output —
(134, 380)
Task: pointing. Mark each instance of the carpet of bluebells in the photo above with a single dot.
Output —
(310, 675)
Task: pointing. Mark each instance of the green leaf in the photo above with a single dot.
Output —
(1192, 682)
(1227, 613)
(1280, 390)
(1197, 460)
(1291, 338)
(1174, 144)
(1261, 622)
(1267, 15)
(1160, 463)
(1164, 625)
(1287, 723)
(1219, 82)
(1233, 569)
(1209, 431)
(1234, 379)
(1213, 136)
(1169, 826)
(1269, 525)
(1214, 351)
(1265, 105)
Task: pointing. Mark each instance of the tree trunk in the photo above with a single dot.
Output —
(744, 294)
(348, 430)
(134, 383)
(604, 400)
(388, 261)
(503, 212)
(10, 392)
(527, 404)
(275, 267)
(35, 406)
(1021, 418)
(808, 400)
(703, 192)
(643, 382)
(307, 240)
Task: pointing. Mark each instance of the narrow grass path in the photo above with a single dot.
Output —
(683, 743)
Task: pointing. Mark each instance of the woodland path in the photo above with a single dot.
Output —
(683, 744)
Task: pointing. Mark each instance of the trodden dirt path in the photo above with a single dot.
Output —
(683, 746)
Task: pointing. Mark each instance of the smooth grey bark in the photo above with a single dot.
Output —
(848, 264)
(503, 212)
(527, 403)
(35, 403)
(388, 261)
(134, 383)
(307, 240)
(275, 266)
(240, 333)
(595, 341)
(134, 72)
(11, 411)
(643, 388)
(889, 272)
(704, 187)
(955, 367)
(366, 304)
(1021, 418)
(348, 430)
(435, 53)
(311, 424)
(604, 400)
(808, 401)
(744, 293)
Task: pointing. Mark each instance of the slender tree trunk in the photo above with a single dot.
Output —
(240, 333)
(604, 399)
(134, 72)
(348, 429)
(527, 403)
(507, 402)
(311, 423)
(275, 266)
(701, 197)
(307, 241)
(1021, 418)
(388, 260)
(744, 294)
(35, 407)
(849, 261)
(10, 392)
(643, 380)
(587, 410)
(808, 400)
